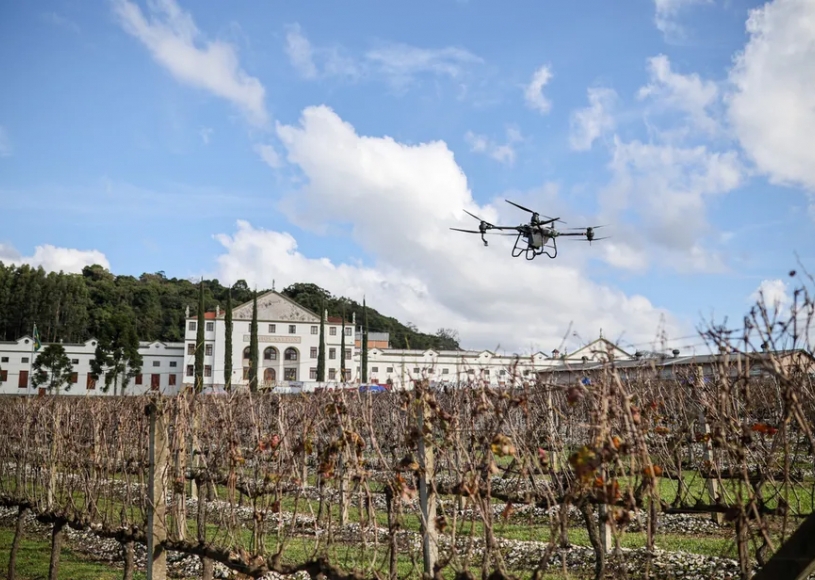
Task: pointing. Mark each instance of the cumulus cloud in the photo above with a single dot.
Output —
(667, 187)
(54, 259)
(771, 104)
(533, 93)
(419, 269)
(269, 155)
(171, 36)
(774, 294)
(687, 93)
(592, 122)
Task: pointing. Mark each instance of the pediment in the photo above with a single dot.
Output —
(273, 307)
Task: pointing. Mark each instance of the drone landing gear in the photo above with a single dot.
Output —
(530, 252)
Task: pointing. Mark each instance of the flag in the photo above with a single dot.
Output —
(37, 343)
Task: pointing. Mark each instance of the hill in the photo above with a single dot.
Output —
(72, 307)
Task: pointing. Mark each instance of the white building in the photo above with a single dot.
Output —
(161, 368)
(288, 344)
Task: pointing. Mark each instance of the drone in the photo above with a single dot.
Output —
(538, 237)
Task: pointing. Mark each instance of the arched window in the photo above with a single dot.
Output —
(290, 354)
(246, 353)
(270, 353)
(269, 376)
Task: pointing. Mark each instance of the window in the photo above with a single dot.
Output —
(445, 371)
(22, 380)
(312, 373)
(487, 373)
(290, 354)
(4, 376)
(332, 374)
(25, 359)
(502, 373)
(155, 382)
(272, 328)
(348, 331)
(315, 330)
(292, 329)
(191, 348)
(416, 370)
(191, 327)
(246, 353)
(245, 373)
(190, 370)
(332, 330)
(347, 354)
(74, 361)
(4, 359)
(270, 353)
(313, 352)
(172, 380)
(389, 370)
(290, 375)
(207, 371)
(139, 379)
(374, 369)
(210, 326)
(208, 350)
(90, 382)
(332, 353)
(348, 375)
(156, 363)
(173, 363)
(430, 371)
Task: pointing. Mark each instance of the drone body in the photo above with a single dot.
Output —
(538, 237)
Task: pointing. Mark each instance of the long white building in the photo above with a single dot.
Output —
(288, 346)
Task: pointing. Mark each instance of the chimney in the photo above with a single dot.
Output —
(555, 353)
(217, 311)
(675, 352)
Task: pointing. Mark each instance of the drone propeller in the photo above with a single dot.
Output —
(480, 232)
(488, 224)
(589, 227)
(548, 219)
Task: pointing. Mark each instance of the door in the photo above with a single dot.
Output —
(155, 382)
(22, 381)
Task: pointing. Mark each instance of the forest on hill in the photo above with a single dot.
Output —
(76, 307)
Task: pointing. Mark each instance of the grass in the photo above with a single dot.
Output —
(33, 559)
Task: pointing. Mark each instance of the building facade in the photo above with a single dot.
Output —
(161, 369)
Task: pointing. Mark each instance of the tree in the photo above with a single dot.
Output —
(253, 346)
(342, 348)
(364, 342)
(199, 341)
(321, 348)
(52, 368)
(117, 352)
(447, 339)
(228, 342)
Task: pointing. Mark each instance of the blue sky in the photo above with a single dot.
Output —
(337, 142)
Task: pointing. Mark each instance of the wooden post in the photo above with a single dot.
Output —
(553, 455)
(606, 535)
(427, 495)
(710, 483)
(159, 455)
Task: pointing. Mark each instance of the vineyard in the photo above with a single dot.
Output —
(702, 475)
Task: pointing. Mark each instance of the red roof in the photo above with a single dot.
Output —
(337, 320)
(207, 316)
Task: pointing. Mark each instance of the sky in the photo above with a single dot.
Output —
(337, 143)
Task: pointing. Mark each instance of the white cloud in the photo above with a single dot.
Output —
(5, 143)
(667, 187)
(774, 294)
(533, 93)
(53, 259)
(592, 122)
(687, 93)
(501, 152)
(176, 43)
(206, 134)
(269, 155)
(772, 103)
(420, 270)
(401, 63)
(666, 14)
(299, 50)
